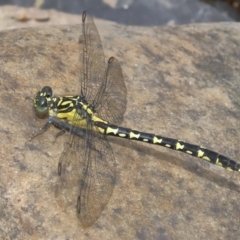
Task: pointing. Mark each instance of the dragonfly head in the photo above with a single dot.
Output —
(41, 101)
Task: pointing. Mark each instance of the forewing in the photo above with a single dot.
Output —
(93, 60)
(103, 87)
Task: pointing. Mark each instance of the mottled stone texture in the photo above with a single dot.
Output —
(182, 82)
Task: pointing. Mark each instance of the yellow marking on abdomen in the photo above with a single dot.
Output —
(219, 164)
(133, 135)
(122, 135)
(200, 153)
(110, 130)
(206, 158)
(157, 140)
(179, 146)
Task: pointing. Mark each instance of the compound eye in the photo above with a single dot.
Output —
(41, 106)
(48, 91)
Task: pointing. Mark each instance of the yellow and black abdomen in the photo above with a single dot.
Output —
(191, 149)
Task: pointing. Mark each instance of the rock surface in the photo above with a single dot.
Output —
(183, 82)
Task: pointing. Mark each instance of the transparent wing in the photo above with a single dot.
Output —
(93, 59)
(103, 87)
(70, 166)
(87, 173)
(110, 102)
(98, 178)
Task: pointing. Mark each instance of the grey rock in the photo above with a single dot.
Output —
(183, 82)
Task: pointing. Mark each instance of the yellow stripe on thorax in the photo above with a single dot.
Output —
(71, 117)
(201, 155)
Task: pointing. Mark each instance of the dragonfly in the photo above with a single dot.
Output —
(87, 159)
